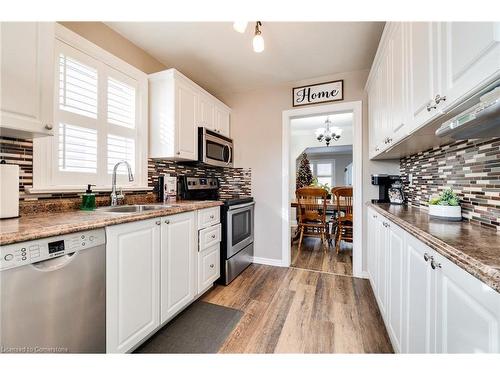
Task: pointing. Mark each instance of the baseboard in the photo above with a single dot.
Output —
(269, 262)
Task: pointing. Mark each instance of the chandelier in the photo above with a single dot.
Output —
(328, 133)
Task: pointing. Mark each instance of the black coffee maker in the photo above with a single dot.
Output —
(384, 182)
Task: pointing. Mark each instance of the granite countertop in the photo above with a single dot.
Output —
(40, 225)
(472, 247)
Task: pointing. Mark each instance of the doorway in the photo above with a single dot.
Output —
(338, 164)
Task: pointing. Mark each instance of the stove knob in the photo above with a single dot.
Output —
(9, 257)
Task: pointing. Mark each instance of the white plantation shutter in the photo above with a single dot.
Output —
(77, 149)
(99, 120)
(121, 103)
(120, 148)
(77, 87)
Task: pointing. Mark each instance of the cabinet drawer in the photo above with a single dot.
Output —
(210, 236)
(208, 267)
(208, 216)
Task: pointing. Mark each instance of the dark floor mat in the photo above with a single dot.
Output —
(201, 328)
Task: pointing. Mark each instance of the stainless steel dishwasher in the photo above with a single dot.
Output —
(53, 294)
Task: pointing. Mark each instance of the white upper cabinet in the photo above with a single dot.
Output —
(186, 131)
(206, 112)
(471, 57)
(222, 118)
(430, 68)
(27, 79)
(423, 71)
(399, 85)
(177, 107)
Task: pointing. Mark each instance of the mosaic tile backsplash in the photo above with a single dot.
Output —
(470, 167)
(233, 181)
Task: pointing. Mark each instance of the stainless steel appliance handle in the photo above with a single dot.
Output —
(54, 264)
(230, 149)
(232, 208)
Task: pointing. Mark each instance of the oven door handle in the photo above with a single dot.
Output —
(232, 208)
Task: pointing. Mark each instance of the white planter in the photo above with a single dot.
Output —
(451, 213)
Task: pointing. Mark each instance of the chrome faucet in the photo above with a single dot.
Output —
(114, 196)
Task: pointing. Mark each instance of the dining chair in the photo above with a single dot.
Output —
(344, 220)
(311, 214)
(333, 225)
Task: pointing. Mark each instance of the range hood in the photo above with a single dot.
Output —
(479, 121)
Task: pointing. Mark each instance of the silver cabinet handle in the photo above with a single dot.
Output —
(374, 216)
(167, 222)
(212, 216)
(439, 99)
(212, 265)
(178, 152)
(435, 265)
(431, 106)
(426, 257)
(158, 222)
(213, 236)
(48, 126)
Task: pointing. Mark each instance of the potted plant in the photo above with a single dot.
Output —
(446, 206)
(325, 187)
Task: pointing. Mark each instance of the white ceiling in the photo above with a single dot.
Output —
(310, 124)
(222, 60)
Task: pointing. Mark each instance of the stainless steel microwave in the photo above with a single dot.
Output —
(214, 149)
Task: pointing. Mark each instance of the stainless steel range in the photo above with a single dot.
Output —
(237, 219)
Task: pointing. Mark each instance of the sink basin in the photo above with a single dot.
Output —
(133, 208)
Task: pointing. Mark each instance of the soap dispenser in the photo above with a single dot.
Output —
(88, 199)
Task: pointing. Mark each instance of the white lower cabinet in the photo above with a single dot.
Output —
(468, 312)
(153, 272)
(419, 304)
(132, 283)
(208, 267)
(429, 304)
(178, 263)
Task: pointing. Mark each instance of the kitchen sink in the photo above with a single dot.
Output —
(133, 208)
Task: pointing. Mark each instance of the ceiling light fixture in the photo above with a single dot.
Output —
(328, 132)
(258, 40)
(240, 26)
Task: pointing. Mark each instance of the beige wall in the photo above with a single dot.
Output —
(108, 39)
(256, 122)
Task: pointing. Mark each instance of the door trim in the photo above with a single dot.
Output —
(357, 181)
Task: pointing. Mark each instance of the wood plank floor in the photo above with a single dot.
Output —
(290, 310)
(312, 257)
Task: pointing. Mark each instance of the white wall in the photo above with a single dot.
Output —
(256, 121)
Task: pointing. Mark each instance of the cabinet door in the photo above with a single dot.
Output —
(420, 298)
(383, 255)
(222, 121)
(468, 312)
(398, 82)
(186, 129)
(471, 56)
(423, 71)
(396, 271)
(132, 283)
(27, 84)
(372, 243)
(208, 267)
(178, 263)
(206, 112)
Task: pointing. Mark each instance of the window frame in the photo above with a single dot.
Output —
(314, 169)
(46, 175)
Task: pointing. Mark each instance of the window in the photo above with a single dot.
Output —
(324, 171)
(100, 118)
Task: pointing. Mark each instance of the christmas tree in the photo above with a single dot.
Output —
(304, 174)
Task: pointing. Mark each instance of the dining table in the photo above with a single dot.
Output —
(331, 208)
